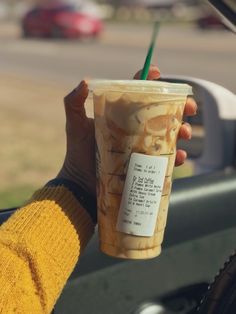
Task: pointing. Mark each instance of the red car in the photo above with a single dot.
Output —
(60, 20)
(210, 21)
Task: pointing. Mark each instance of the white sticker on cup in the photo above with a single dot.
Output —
(142, 194)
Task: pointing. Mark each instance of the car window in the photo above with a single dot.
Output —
(208, 53)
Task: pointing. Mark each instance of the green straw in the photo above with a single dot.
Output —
(150, 52)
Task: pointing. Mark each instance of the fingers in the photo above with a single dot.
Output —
(181, 156)
(190, 107)
(185, 131)
(153, 74)
(74, 102)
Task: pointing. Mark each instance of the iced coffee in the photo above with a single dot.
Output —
(136, 128)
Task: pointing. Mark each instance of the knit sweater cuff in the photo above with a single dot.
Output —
(55, 221)
(87, 200)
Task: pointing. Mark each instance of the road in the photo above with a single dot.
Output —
(120, 51)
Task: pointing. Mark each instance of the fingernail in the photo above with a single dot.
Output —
(190, 133)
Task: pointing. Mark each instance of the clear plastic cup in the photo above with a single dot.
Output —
(136, 129)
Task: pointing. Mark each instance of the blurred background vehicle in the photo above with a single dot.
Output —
(60, 20)
(210, 21)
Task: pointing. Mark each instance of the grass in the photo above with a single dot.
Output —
(183, 171)
(15, 196)
(31, 135)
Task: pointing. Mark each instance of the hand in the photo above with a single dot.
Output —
(79, 164)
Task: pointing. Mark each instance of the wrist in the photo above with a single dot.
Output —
(85, 179)
(86, 200)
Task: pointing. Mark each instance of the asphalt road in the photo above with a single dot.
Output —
(120, 52)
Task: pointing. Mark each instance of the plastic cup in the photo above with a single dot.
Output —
(136, 129)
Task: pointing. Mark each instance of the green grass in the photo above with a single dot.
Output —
(16, 196)
(186, 170)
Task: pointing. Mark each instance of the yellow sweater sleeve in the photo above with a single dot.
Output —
(39, 247)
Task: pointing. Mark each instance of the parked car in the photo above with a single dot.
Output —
(210, 21)
(60, 20)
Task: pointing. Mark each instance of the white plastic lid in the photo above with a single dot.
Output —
(139, 86)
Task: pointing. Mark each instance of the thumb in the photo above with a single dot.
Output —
(76, 120)
(74, 102)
